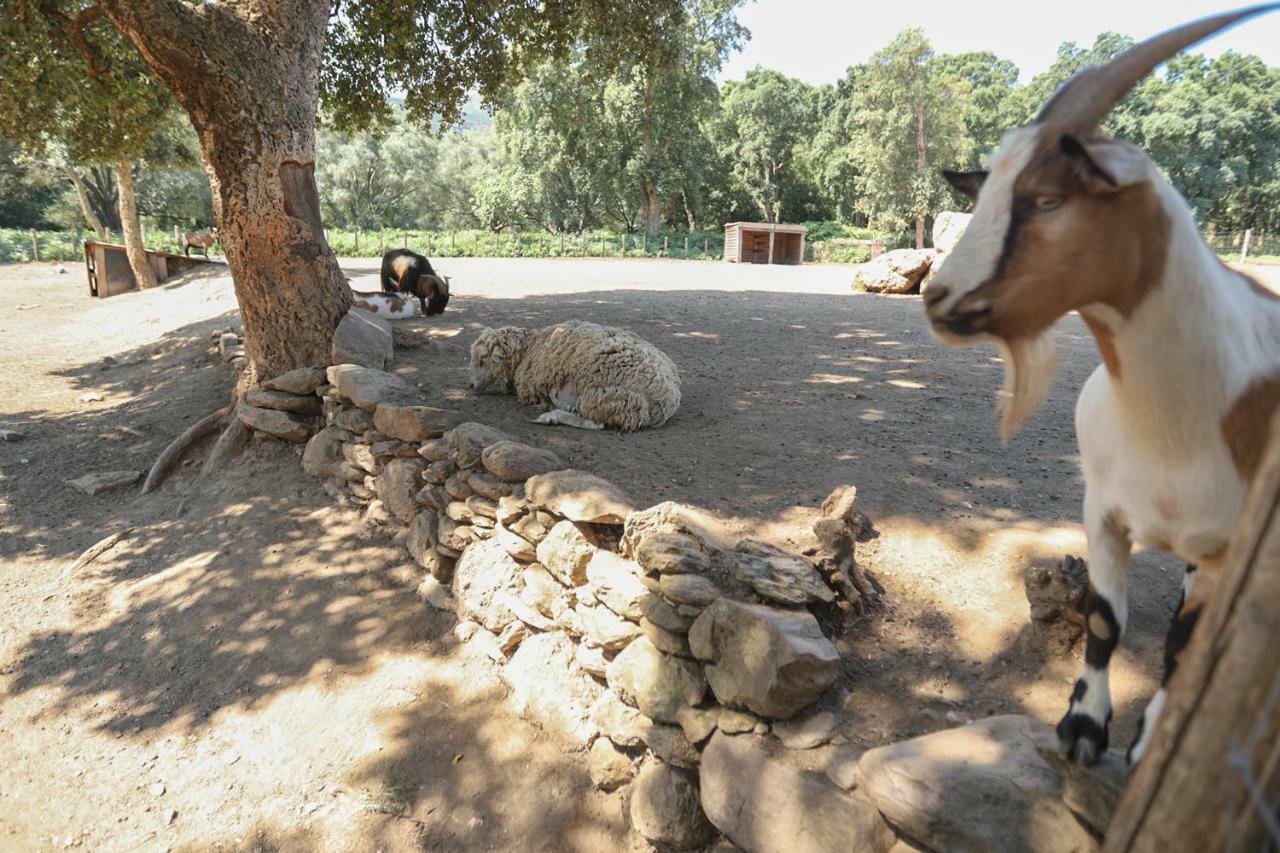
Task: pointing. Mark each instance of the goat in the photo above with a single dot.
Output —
(1173, 423)
(388, 306)
(404, 271)
(202, 241)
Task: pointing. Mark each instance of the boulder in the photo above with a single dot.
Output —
(322, 456)
(579, 496)
(547, 689)
(698, 723)
(772, 661)
(414, 423)
(665, 810)
(610, 768)
(484, 572)
(362, 338)
(766, 805)
(540, 589)
(899, 271)
(657, 683)
(360, 456)
(421, 539)
(604, 628)
(948, 228)
(517, 546)
(356, 421)
(282, 401)
(484, 483)
(807, 733)
(565, 552)
(271, 422)
(467, 442)
(434, 450)
(534, 526)
(709, 532)
(693, 590)
(661, 613)
(778, 576)
(101, 481)
(516, 462)
(670, 744)
(620, 723)
(302, 380)
(398, 487)
(997, 784)
(368, 387)
(668, 641)
(615, 583)
(671, 553)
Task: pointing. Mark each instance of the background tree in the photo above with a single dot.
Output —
(990, 103)
(911, 125)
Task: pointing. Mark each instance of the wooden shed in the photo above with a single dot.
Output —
(764, 243)
(109, 273)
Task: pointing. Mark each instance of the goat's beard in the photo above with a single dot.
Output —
(1029, 365)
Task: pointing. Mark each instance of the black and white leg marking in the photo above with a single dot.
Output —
(1180, 628)
(1082, 733)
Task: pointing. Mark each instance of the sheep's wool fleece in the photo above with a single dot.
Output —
(622, 380)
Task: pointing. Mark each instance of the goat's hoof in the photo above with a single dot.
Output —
(1081, 738)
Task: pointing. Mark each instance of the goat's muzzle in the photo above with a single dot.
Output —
(961, 318)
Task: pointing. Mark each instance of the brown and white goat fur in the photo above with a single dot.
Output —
(1173, 423)
(198, 240)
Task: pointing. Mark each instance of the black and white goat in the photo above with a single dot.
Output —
(408, 272)
(1173, 423)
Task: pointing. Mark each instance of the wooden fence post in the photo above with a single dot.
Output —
(35, 245)
(686, 247)
(704, 246)
(1244, 248)
(405, 235)
(177, 240)
(562, 244)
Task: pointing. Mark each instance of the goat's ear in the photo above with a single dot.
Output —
(1105, 166)
(965, 183)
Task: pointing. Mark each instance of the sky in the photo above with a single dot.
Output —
(816, 40)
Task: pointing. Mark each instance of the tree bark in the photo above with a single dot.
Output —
(921, 152)
(143, 274)
(82, 196)
(652, 210)
(1213, 767)
(248, 75)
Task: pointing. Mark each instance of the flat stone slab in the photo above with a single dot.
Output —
(367, 387)
(579, 496)
(101, 481)
(364, 339)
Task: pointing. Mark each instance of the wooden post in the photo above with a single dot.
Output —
(665, 250)
(1208, 781)
(35, 245)
(771, 236)
(704, 246)
(622, 243)
(452, 244)
(177, 240)
(405, 235)
(686, 247)
(1244, 248)
(562, 244)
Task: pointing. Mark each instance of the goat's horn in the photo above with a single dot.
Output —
(1084, 100)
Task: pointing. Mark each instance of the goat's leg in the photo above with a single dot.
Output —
(1082, 734)
(1180, 628)
(562, 418)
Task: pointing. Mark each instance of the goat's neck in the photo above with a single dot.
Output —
(1191, 346)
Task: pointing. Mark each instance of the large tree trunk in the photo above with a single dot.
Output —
(652, 210)
(921, 158)
(248, 74)
(82, 196)
(104, 196)
(1211, 777)
(134, 247)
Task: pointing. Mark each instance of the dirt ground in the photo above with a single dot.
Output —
(250, 668)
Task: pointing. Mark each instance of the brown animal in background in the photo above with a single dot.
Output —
(203, 242)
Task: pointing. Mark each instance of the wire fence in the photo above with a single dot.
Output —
(1250, 246)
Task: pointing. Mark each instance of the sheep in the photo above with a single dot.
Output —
(198, 240)
(588, 376)
(1172, 424)
(404, 271)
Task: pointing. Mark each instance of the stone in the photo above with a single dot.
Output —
(661, 613)
(565, 552)
(778, 576)
(353, 420)
(511, 508)
(414, 423)
(604, 628)
(271, 422)
(459, 512)
(515, 462)
(579, 496)
(806, 733)
(672, 553)
(101, 481)
(765, 805)
(527, 614)
(467, 442)
(771, 661)
(591, 659)
(532, 527)
(361, 456)
(517, 546)
(362, 338)
(482, 506)
(670, 744)
(432, 497)
(229, 346)
(11, 435)
(484, 572)
(421, 541)
(323, 454)
(698, 723)
(898, 271)
(457, 488)
(302, 380)
(667, 641)
(512, 636)
(540, 588)
(733, 722)
(376, 514)
(485, 484)
(620, 723)
(438, 473)
(367, 387)
(547, 689)
(709, 531)
(398, 487)
(436, 594)
(694, 590)
(610, 769)
(657, 683)
(283, 401)
(842, 768)
(1056, 594)
(665, 810)
(391, 447)
(948, 227)
(615, 582)
(996, 784)
(434, 450)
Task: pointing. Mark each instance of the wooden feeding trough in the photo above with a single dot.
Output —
(107, 266)
(764, 243)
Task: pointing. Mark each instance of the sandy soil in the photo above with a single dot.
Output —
(249, 668)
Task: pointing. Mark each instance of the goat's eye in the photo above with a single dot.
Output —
(1048, 202)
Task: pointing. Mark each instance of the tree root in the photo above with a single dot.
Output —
(97, 549)
(169, 457)
(227, 447)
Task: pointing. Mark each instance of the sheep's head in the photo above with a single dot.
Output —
(494, 357)
(1065, 219)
